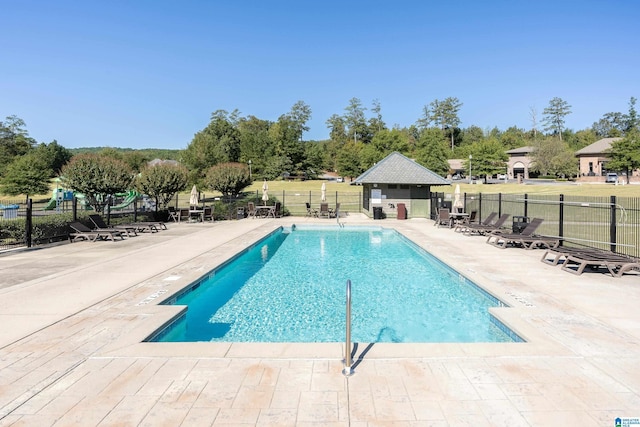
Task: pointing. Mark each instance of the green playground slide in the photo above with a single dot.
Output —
(130, 197)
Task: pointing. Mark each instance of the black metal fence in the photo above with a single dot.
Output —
(26, 223)
(13, 223)
(610, 223)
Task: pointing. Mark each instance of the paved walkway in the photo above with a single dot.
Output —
(73, 317)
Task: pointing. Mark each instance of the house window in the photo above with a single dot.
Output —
(392, 186)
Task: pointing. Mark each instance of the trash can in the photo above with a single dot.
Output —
(402, 211)
(240, 214)
(377, 212)
(11, 211)
(519, 223)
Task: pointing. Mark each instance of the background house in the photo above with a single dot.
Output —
(519, 162)
(593, 159)
(398, 179)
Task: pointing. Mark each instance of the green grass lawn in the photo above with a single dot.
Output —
(570, 189)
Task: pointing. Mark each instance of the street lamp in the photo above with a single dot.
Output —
(470, 157)
(249, 170)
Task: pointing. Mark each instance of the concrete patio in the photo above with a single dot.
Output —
(74, 315)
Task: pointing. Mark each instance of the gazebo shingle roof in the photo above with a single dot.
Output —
(399, 169)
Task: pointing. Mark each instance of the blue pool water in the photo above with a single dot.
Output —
(290, 287)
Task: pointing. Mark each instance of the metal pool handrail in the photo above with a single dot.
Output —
(347, 371)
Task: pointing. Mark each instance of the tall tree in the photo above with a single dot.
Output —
(611, 125)
(348, 159)
(54, 155)
(489, 158)
(554, 115)
(337, 129)
(376, 124)
(533, 113)
(432, 151)
(219, 142)
(256, 145)
(554, 158)
(633, 121)
(425, 120)
(624, 154)
(14, 140)
(284, 134)
(356, 122)
(445, 115)
(300, 114)
(28, 174)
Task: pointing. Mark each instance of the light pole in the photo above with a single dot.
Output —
(250, 170)
(470, 157)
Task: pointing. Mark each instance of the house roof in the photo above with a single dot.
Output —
(455, 164)
(521, 150)
(598, 147)
(399, 169)
(155, 162)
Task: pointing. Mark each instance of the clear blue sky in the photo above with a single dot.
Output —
(149, 73)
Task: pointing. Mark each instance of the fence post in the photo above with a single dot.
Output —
(612, 226)
(526, 204)
(499, 204)
(561, 218)
(29, 223)
(74, 207)
(479, 207)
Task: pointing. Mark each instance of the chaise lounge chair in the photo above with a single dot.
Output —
(481, 229)
(616, 264)
(100, 225)
(558, 255)
(464, 223)
(526, 239)
(81, 231)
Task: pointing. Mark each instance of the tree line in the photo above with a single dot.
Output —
(232, 150)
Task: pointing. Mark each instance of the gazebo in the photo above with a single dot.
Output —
(395, 180)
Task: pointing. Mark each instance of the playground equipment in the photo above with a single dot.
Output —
(129, 198)
(58, 198)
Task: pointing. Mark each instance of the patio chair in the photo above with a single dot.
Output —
(482, 229)
(207, 215)
(310, 211)
(443, 218)
(526, 239)
(182, 214)
(324, 210)
(251, 210)
(334, 213)
(100, 225)
(463, 223)
(174, 214)
(615, 264)
(277, 210)
(81, 231)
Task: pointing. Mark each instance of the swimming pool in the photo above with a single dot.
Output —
(290, 287)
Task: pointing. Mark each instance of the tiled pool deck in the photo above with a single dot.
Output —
(73, 317)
